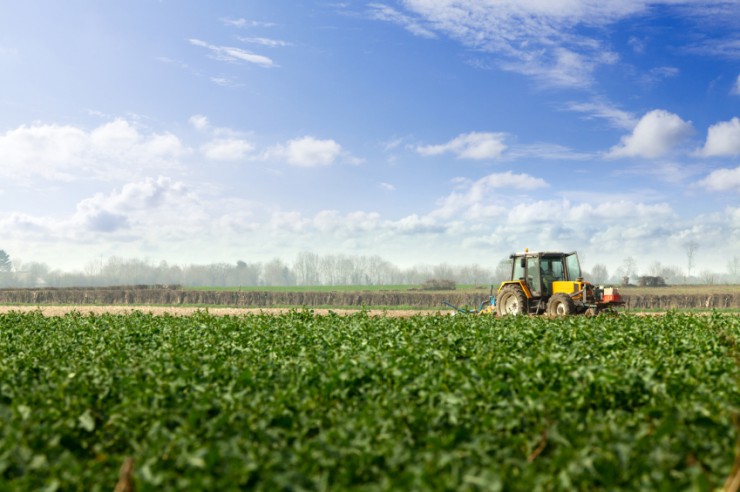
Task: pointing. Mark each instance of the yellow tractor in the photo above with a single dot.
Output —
(552, 283)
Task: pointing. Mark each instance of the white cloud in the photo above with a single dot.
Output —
(637, 44)
(735, 91)
(486, 197)
(474, 145)
(382, 12)
(537, 38)
(113, 150)
(288, 221)
(227, 149)
(224, 81)
(658, 74)
(722, 180)
(387, 187)
(348, 224)
(270, 43)
(668, 172)
(135, 202)
(308, 152)
(723, 139)
(199, 121)
(547, 151)
(656, 134)
(231, 54)
(242, 22)
(600, 109)
(561, 67)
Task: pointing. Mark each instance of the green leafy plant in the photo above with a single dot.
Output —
(305, 402)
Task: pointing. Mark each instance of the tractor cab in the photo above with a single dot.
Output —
(538, 271)
(549, 282)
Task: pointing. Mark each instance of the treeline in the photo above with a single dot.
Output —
(311, 269)
(307, 269)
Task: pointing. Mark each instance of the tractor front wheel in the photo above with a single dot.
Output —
(511, 301)
(561, 305)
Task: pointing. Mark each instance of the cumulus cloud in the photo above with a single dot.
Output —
(231, 54)
(335, 222)
(307, 152)
(722, 180)
(135, 201)
(414, 224)
(67, 153)
(656, 134)
(227, 149)
(486, 197)
(564, 211)
(474, 145)
(723, 139)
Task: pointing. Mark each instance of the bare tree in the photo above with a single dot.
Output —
(733, 268)
(630, 267)
(690, 248)
(276, 273)
(503, 271)
(5, 264)
(306, 268)
(599, 274)
(707, 277)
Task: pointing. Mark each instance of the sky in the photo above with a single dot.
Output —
(422, 131)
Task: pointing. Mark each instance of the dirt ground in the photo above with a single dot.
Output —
(186, 311)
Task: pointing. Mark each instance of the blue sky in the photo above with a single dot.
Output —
(422, 131)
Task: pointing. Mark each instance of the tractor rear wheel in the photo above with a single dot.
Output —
(561, 305)
(511, 301)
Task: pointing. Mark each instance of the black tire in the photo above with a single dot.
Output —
(511, 301)
(561, 305)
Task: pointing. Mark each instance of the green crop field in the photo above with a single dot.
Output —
(304, 402)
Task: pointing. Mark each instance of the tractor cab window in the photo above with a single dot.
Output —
(519, 269)
(533, 275)
(574, 268)
(552, 267)
(552, 270)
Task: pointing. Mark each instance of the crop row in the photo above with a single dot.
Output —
(304, 402)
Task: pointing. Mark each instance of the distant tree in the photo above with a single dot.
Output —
(733, 268)
(690, 248)
(599, 274)
(474, 274)
(276, 273)
(34, 274)
(708, 277)
(5, 264)
(503, 271)
(245, 274)
(630, 269)
(306, 268)
(443, 271)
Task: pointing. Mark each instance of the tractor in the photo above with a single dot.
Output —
(552, 283)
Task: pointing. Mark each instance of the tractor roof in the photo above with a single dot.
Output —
(541, 253)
